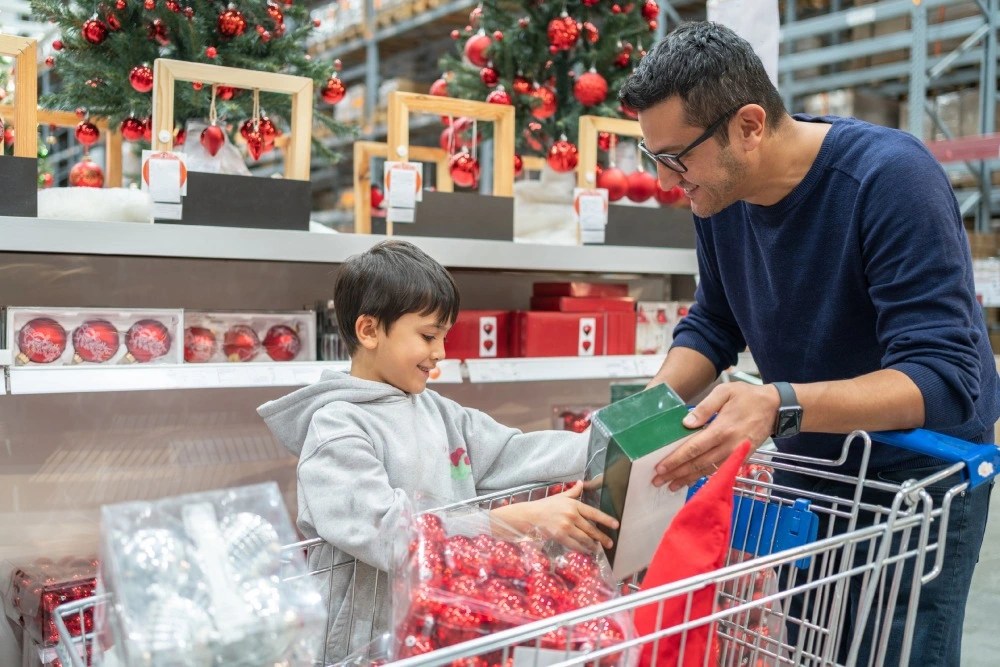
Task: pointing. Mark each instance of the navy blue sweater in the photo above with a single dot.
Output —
(863, 266)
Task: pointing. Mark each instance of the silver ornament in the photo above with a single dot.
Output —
(155, 555)
(252, 545)
(179, 634)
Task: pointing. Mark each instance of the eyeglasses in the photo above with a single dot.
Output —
(672, 161)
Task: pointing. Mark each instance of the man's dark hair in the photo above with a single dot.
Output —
(392, 279)
(711, 68)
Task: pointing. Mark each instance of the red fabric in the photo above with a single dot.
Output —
(696, 542)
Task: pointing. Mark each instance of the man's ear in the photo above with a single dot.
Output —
(751, 121)
(367, 329)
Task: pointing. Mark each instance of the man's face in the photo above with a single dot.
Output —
(715, 177)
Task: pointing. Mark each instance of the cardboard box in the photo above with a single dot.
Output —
(540, 333)
(570, 304)
(597, 290)
(627, 439)
(19, 176)
(480, 334)
(225, 200)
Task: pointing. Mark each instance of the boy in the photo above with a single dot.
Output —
(368, 441)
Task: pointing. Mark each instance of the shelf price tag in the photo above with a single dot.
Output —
(590, 211)
(164, 177)
(403, 188)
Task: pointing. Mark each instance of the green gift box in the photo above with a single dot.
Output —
(627, 440)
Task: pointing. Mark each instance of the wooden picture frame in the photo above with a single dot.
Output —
(590, 126)
(401, 105)
(364, 151)
(25, 54)
(166, 73)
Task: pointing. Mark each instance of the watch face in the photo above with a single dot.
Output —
(789, 422)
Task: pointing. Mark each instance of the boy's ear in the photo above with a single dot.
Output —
(366, 328)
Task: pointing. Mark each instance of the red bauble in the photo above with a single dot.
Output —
(475, 49)
(669, 197)
(181, 137)
(615, 181)
(225, 92)
(174, 6)
(255, 143)
(534, 136)
(158, 32)
(475, 16)
(548, 585)
(94, 31)
(542, 606)
(282, 343)
(268, 132)
(458, 624)
(275, 13)
(518, 164)
(440, 87)
(50, 62)
(57, 45)
(641, 186)
(141, 78)
(95, 341)
(522, 86)
(563, 156)
(624, 56)
(535, 559)
(499, 96)
(462, 557)
(113, 22)
(120, 4)
(211, 52)
(563, 33)
(86, 174)
(377, 196)
(48, 180)
(232, 23)
(650, 10)
(506, 560)
(41, 341)
(240, 343)
(199, 345)
(132, 129)
(604, 141)
(547, 107)
(147, 128)
(575, 566)
(429, 527)
(8, 136)
(147, 340)
(464, 170)
(150, 5)
(589, 592)
(590, 89)
(497, 36)
(489, 76)
(333, 91)
(213, 138)
(458, 135)
(87, 133)
(590, 3)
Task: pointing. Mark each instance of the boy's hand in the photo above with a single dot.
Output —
(562, 517)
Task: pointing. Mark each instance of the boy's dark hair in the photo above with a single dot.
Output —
(711, 68)
(390, 280)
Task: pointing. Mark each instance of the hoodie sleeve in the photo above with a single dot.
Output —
(353, 507)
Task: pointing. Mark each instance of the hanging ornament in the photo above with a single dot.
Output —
(231, 23)
(650, 10)
(48, 180)
(147, 340)
(158, 32)
(147, 129)
(113, 22)
(131, 129)
(497, 36)
(499, 96)
(189, 13)
(87, 133)
(211, 52)
(563, 33)
(489, 76)
(57, 45)
(199, 345)
(535, 137)
(8, 136)
(94, 31)
(50, 62)
(616, 9)
(86, 174)
(150, 5)
(455, 34)
(173, 6)
(522, 85)
(590, 32)
(95, 341)
(590, 3)
(377, 196)
(475, 49)
(440, 87)
(624, 56)
(240, 343)
(668, 197)
(265, 35)
(268, 132)
(226, 92)
(180, 137)
(614, 181)
(604, 141)
(590, 88)
(120, 4)
(141, 78)
(518, 164)
(41, 341)
(334, 90)
(274, 11)
(458, 135)
(547, 107)
(255, 143)
(641, 186)
(282, 343)
(563, 156)
(464, 170)
(213, 138)
(523, 22)
(475, 16)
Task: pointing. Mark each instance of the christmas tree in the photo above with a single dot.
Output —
(106, 50)
(554, 61)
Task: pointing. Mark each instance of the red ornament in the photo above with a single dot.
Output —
(87, 133)
(591, 33)
(475, 49)
(213, 138)
(455, 34)
(197, 85)
(94, 31)
(113, 22)
(120, 4)
(282, 343)
(131, 129)
(86, 174)
(440, 87)
(518, 164)
(464, 170)
(616, 9)
(333, 91)
(8, 136)
(590, 3)
(158, 32)
(523, 22)
(231, 23)
(604, 141)
(41, 341)
(589, 592)
(563, 33)
(548, 585)
(147, 128)
(499, 96)
(199, 345)
(669, 197)
(429, 527)
(141, 78)
(489, 76)
(81, 113)
(240, 343)
(506, 560)
(575, 566)
(147, 340)
(268, 132)
(590, 89)
(173, 6)
(461, 556)
(275, 13)
(377, 196)
(50, 62)
(225, 92)
(255, 143)
(542, 606)
(475, 16)
(563, 156)
(534, 136)
(548, 103)
(150, 5)
(641, 186)
(189, 13)
(497, 36)
(48, 180)
(95, 341)
(624, 56)
(650, 10)
(265, 36)
(522, 86)
(57, 45)
(615, 181)
(457, 624)
(211, 52)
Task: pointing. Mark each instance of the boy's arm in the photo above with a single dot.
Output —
(353, 507)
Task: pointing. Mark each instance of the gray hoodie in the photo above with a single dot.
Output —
(365, 450)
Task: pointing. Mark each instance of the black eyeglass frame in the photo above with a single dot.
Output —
(672, 161)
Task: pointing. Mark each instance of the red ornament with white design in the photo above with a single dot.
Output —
(95, 341)
(147, 340)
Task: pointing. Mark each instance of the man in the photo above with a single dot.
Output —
(835, 250)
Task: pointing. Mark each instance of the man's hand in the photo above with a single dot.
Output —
(742, 412)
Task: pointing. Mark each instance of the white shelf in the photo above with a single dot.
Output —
(538, 369)
(165, 240)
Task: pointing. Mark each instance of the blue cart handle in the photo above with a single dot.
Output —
(982, 462)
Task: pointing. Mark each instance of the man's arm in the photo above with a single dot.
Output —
(686, 371)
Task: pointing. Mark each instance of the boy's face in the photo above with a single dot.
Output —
(409, 351)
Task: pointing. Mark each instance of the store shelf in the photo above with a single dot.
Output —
(30, 235)
(537, 369)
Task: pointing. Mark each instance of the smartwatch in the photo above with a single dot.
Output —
(788, 421)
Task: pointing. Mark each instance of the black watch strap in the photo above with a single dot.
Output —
(787, 394)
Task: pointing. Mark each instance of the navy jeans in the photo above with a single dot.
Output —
(937, 638)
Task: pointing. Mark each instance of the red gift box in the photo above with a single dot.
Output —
(572, 304)
(479, 334)
(553, 334)
(599, 290)
(36, 589)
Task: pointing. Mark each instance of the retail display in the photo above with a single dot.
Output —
(655, 322)
(576, 334)
(249, 337)
(580, 289)
(480, 334)
(35, 588)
